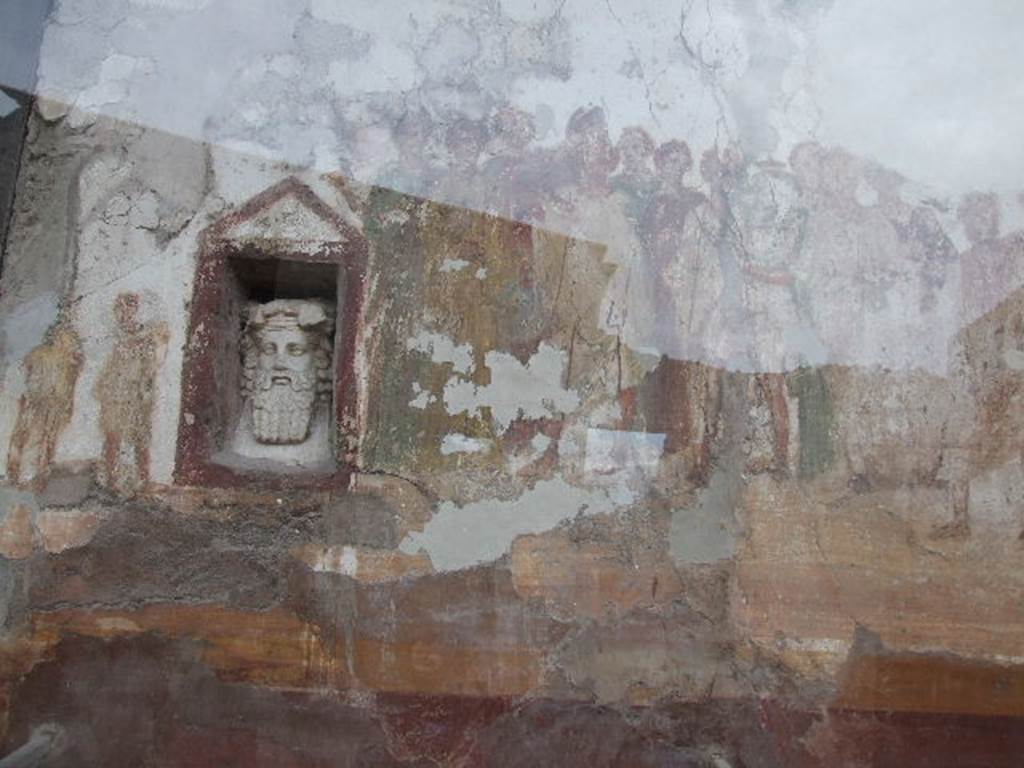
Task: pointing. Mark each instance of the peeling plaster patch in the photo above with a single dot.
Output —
(453, 265)
(7, 105)
(457, 443)
(443, 350)
(616, 450)
(531, 391)
(24, 328)
(461, 537)
(421, 397)
(706, 533)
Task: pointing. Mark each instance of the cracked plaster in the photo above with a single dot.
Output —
(603, 457)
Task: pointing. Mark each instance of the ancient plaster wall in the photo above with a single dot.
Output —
(695, 443)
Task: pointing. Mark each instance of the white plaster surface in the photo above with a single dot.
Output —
(479, 532)
(530, 391)
(456, 443)
(442, 349)
(905, 82)
(610, 451)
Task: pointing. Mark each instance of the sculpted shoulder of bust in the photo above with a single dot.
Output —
(286, 367)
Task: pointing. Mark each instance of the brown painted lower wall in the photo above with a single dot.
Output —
(155, 699)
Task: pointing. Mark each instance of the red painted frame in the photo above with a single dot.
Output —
(200, 387)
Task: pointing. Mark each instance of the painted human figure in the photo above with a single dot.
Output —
(126, 390)
(990, 267)
(286, 355)
(718, 233)
(989, 275)
(768, 241)
(414, 172)
(636, 178)
(685, 284)
(51, 371)
(463, 183)
(512, 171)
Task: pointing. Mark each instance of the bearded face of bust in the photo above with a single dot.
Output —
(287, 363)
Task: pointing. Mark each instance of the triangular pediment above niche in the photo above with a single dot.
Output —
(290, 215)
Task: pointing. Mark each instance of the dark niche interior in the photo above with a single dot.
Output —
(265, 278)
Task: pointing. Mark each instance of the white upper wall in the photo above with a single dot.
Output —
(930, 88)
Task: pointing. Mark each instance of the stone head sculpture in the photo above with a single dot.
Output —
(287, 360)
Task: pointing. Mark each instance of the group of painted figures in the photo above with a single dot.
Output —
(771, 268)
(760, 267)
(752, 265)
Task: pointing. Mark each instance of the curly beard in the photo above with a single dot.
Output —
(282, 410)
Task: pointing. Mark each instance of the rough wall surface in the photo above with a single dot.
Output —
(683, 429)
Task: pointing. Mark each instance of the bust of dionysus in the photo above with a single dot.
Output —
(286, 367)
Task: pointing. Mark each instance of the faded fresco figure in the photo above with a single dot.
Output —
(780, 335)
(51, 371)
(838, 274)
(414, 137)
(982, 435)
(463, 184)
(585, 204)
(991, 268)
(126, 391)
(511, 170)
(933, 252)
(768, 243)
(635, 178)
(685, 276)
(716, 231)
(286, 354)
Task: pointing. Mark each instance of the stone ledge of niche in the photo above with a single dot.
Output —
(410, 505)
(222, 502)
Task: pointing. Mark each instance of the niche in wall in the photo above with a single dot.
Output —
(269, 394)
